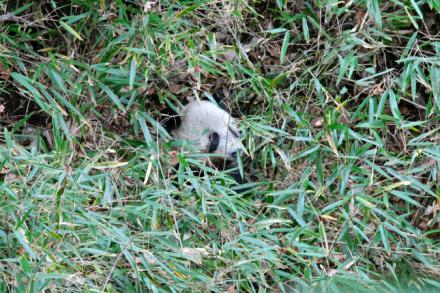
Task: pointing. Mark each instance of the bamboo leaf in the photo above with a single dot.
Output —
(70, 30)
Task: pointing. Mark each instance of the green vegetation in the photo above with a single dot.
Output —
(339, 104)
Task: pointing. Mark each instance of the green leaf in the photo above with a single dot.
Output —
(384, 238)
(56, 78)
(374, 11)
(111, 95)
(394, 107)
(281, 4)
(189, 9)
(417, 9)
(25, 265)
(70, 30)
(305, 28)
(132, 72)
(145, 130)
(306, 152)
(284, 47)
(276, 30)
(27, 83)
(20, 235)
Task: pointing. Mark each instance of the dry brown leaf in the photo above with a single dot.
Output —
(175, 87)
(4, 74)
(378, 90)
(318, 122)
(432, 209)
(328, 218)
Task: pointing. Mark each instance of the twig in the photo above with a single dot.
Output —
(11, 17)
(21, 19)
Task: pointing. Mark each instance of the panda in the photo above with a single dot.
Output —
(213, 133)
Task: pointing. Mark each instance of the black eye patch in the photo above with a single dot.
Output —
(234, 133)
(214, 140)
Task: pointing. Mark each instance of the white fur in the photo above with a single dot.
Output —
(199, 119)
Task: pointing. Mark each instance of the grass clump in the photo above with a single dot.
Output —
(339, 106)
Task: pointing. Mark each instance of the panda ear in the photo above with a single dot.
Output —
(222, 102)
(170, 120)
(219, 99)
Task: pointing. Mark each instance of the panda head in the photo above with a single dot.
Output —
(210, 129)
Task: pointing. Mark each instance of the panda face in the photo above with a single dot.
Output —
(211, 129)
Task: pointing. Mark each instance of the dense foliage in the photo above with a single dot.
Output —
(339, 105)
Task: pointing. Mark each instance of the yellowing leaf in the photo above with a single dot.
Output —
(109, 165)
(70, 30)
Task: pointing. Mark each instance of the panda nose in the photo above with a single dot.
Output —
(234, 156)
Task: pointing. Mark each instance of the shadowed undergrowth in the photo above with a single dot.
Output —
(339, 105)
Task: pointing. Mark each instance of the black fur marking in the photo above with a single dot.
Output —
(171, 120)
(214, 140)
(242, 183)
(234, 133)
(221, 101)
(222, 104)
(237, 176)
